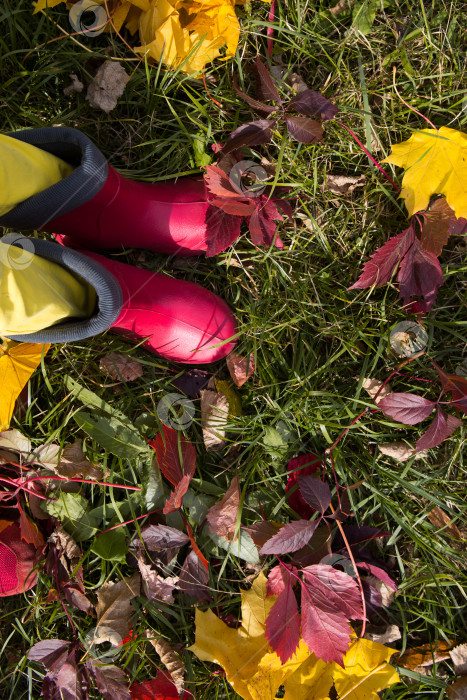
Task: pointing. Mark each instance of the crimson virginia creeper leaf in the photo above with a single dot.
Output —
(256, 104)
(313, 104)
(342, 588)
(283, 625)
(169, 446)
(409, 409)
(279, 578)
(383, 264)
(159, 688)
(265, 87)
(304, 129)
(174, 502)
(262, 226)
(457, 385)
(219, 183)
(420, 274)
(291, 537)
(194, 578)
(377, 572)
(222, 516)
(304, 464)
(195, 547)
(436, 227)
(315, 492)
(234, 207)
(222, 230)
(111, 681)
(51, 652)
(440, 428)
(251, 134)
(261, 532)
(160, 537)
(66, 682)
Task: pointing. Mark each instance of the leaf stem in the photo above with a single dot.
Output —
(84, 481)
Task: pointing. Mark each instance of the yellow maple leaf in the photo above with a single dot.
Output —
(17, 362)
(256, 673)
(435, 162)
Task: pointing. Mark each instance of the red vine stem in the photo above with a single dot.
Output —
(84, 481)
(355, 137)
(412, 109)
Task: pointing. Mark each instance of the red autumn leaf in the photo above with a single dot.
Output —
(265, 87)
(176, 457)
(315, 492)
(283, 625)
(67, 681)
(17, 560)
(51, 652)
(250, 134)
(304, 129)
(256, 104)
(313, 104)
(441, 427)
(160, 537)
(219, 183)
(325, 612)
(262, 531)
(159, 688)
(304, 464)
(29, 530)
(377, 572)
(419, 275)
(222, 516)
(383, 264)
(279, 578)
(222, 230)
(110, 680)
(436, 227)
(409, 409)
(240, 368)
(196, 549)
(262, 226)
(290, 538)
(194, 578)
(234, 207)
(455, 384)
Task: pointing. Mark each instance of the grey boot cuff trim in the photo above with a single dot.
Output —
(87, 179)
(108, 291)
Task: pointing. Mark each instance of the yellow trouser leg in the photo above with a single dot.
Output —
(34, 293)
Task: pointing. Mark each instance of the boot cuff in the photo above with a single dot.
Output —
(108, 291)
(87, 179)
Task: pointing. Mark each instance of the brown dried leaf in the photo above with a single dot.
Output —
(423, 656)
(387, 594)
(294, 80)
(341, 6)
(214, 418)
(222, 516)
(120, 367)
(457, 690)
(400, 451)
(459, 659)
(108, 85)
(75, 86)
(382, 635)
(437, 226)
(170, 659)
(372, 386)
(344, 184)
(114, 609)
(73, 463)
(440, 519)
(156, 587)
(70, 552)
(240, 368)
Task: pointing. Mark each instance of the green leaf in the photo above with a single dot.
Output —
(154, 493)
(110, 546)
(243, 548)
(363, 15)
(116, 437)
(92, 400)
(70, 510)
(197, 505)
(201, 157)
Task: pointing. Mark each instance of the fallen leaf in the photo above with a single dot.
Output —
(441, 520)
(214, 418)
(194, 578)
(157, 587)
(75, 86)
(161, 537)
(373, 386)
(262, 531)
(400, 451)
(458, 689)
(18, 559)
(114, 609)
(384, 263)
(121, 368)
(438, 224)
(419, 275)
(110, 680)
(17, 363)
(459, 659)
(424, 655)
(73, 463)
(222, 516)
(435, 162)
(170, 658)
(344, 184)
(341, 6)
(406, 408)
(440, 428)
(192, 382)
(159, 688)
(240, 368)
(108, 86)
(304, 464)
(382, 635)
(290, 538)
(176, 458)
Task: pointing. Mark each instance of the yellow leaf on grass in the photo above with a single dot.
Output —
(45, 4)
(256, 673)
(17, 362)
(435, 162)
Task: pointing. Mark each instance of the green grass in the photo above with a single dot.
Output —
(312, 339)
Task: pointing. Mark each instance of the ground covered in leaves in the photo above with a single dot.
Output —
(320, 353)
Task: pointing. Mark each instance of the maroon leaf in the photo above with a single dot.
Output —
(313, 104)
(291, 537)
(457, 385)
(304, 129)
(437, 227)
(176, 457)
(383, 264)
(256, 104)
(283, 625)
(279, 578)
(251, 134)
(159, 688)
(160, 537)
(377, 572)
(440, 428)
(174, 502)
(304, 464)
(111, 681)
(194, 578)
(192, 382)
(222, 516)
(342, 588)
(219, 183)
(65, 683)
(265, 87)
(315, 492)
(51, 652)
(262, 532)
(409, 409)
(222, 230)
(325, 629)
(373, 599)
(420, 274)
(234, 207)
(262, 226)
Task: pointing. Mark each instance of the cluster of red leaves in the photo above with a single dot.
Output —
(412, 259)
(412, 409)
